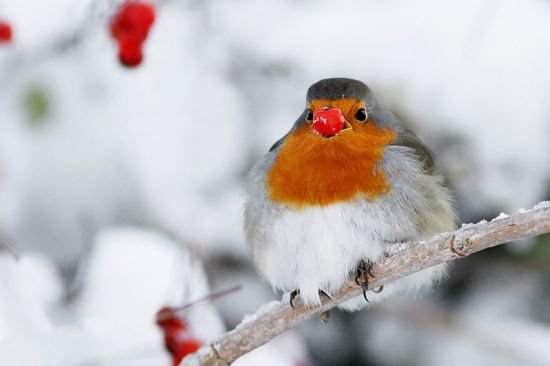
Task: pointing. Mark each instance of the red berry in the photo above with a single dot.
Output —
(130, 27)
(328, 121)
(130, 53)
(6, 33)
(184, 347)
(177, 337)
(133, 20)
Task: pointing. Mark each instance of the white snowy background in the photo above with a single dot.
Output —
(121, 190)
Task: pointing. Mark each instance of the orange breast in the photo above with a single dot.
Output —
(310, 170)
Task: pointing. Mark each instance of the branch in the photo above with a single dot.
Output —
(20, 60)
(275, 317)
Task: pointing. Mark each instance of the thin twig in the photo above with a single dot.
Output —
(276, 317)
(208, 298)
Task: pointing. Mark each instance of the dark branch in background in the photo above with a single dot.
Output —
(276, 317)
(18, 61)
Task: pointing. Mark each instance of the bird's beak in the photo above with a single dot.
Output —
(329, 122)
(347, 125)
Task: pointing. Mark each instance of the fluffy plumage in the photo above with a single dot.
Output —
(316, 206)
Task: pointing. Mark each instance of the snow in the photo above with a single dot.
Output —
(29, 286)
(543, 204)
(469, 225)
(503, 215)
(130, 275)
(264, 309)
(500, 216)
(136, 266)
(165, 146)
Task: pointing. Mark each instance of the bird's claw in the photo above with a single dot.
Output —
(364, 270)
(325, 315)
(365, 294)
(326, 294)
(293, 295)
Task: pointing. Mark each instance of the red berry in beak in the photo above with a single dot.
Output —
(328, 121)
(6, 33)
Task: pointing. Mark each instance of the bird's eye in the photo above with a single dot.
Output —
(361, 115)
(309, 116)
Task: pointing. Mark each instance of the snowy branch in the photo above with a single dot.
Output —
(277, 316)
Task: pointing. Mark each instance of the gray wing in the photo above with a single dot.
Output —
(278, 143)
(439, 215)
(405, 137)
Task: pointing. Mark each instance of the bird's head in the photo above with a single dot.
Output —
(336, 106)
(333, 151)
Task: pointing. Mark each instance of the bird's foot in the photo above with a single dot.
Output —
(325, 315)
(293, 295)
(364, 270)
(379, 289)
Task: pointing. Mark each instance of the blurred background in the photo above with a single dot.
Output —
(121, 189)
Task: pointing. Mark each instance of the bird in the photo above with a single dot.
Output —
(346, 185)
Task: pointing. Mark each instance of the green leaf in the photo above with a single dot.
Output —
(37, 105)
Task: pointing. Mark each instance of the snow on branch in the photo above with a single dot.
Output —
(275, 317)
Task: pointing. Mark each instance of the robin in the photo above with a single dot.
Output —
(344, 185)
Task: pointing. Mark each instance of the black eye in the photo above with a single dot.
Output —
(309, 116)
(361, 115)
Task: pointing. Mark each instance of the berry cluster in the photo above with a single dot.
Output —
(6, 33)
(177, 336)
(130, 27)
